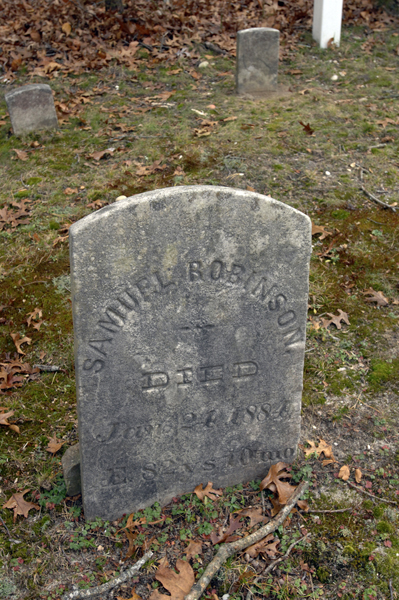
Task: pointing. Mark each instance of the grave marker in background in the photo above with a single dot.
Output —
(257, 60)
(327, 19)
(189, 308)
(31, 108)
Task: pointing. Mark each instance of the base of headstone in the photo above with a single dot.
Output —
(71, 470)
(281, 91)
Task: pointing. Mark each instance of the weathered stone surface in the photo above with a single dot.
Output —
(71, 469)
(31, 108)
(257, 60)
(189, 309)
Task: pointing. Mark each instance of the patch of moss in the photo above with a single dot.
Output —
(383, 372)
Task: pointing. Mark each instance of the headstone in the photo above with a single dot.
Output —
(189, 308)
(31, 108)
(327, 19)
(257, 60)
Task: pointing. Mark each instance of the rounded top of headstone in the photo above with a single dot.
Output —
(163, 199)
(32, 87)
(252, 30)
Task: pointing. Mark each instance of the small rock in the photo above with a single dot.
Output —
(328, 173)
(203, 64)
(334, 78)
(71, 469)
(121, 198)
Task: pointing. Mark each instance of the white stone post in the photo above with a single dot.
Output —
(327, 18)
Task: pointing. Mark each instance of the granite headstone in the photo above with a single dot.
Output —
(257, 60)
(31, 108)
(189, 308)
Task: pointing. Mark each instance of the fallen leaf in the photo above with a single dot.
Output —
(220, 537)
(134, 596)
(99, 155)
(303, 505)
(255, 514)
(132, 546)
(266, 546)
(19, 505)
(66, 28)
(322, 448)
(307, 128)
(358, 475)
(54, 445)
(178, 584)
(208, 491)
(377, 297)
(131, 523)
(320, 229)
(273, 481)
(35, 314)
(21, 154)
(193, 549)
(230, 119)
(18, 341)
(250, 189)
(5, 416)
(69, 191)
(336, 319)
(179, 171)
(344, 473)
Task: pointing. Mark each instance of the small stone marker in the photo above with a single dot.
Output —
(189, 308)
(327, 19)
(257, 60)
(31, 108)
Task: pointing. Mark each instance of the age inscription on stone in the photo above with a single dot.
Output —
(189, 308)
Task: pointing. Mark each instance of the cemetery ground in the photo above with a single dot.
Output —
(327, 145)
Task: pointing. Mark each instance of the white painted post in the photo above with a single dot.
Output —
(327, 18)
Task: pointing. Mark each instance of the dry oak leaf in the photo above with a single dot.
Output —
(377, 297)
(336, 319)
(21, 154)
(320, 229)
(303, 505)
(69, 191)
(178, 584)
(99, 155)
(266, 546)
(132, 546)
(193, 549)
(255, 514)
(134, 596)
(18, 341)
(208, 491)
(358, 475)
(35, 314)
(322, 448)
(3, 421)
(130, 524)
(66, 28)
(54, 445)
(344, 473)
(19, 505)
(307, 128)
(219, 538)
(273, 481)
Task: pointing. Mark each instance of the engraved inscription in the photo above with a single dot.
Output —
(206, 374)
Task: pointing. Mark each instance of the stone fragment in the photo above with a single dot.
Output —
(71, 470)
(31, 108)
(189, 308)
(327, 19)
(257, 60)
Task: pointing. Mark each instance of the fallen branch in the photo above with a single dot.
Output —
(105, 587)
(47, 368)
(380, 202)
(228, 550)
(371, 495)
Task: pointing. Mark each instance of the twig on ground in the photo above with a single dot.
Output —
(228, 550)
(9, 534)
(270, 567)
(105, 587)
(371, 495)
(47, 368)
(391, 589)
(374, 199)
(263, 502)
(339, 510)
